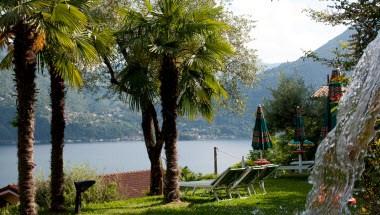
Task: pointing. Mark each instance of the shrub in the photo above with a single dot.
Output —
(188, 175)
(370, 178)
(9, 210)
(279, 154)
(99, 192)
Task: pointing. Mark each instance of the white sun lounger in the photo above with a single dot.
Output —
(222, 182)
(294, 165)
(256, 174)
(248, 179)
(234, 179)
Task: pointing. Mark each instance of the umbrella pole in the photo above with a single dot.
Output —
(300, 160)
(262, 139)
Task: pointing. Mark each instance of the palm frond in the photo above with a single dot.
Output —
(6, 62)
(9, 18)
(85, 50)
(140, 87)
(68, 71)
(192, 33)
(56, 36)
(104, 41)
(69, 15)
(8, 4)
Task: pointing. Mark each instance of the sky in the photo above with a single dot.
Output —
(283, 30)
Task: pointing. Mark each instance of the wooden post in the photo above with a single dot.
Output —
(215, 160)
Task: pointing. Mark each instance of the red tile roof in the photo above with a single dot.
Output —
(12, 187)
(131, 184)
(323, 91)
(9, 195)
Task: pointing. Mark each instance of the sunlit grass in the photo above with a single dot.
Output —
(285, 195)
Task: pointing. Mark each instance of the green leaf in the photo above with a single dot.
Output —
(6, 62)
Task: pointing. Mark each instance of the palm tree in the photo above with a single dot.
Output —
(26, 27)
(185, 36)
(134, 83)
(138, 87)
(62, 67)
(62, 62)
(57, 131)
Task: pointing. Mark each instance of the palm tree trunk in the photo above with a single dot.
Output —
(169, 94)
(57, 96)
(25, 67)
(154, 143)
(151, 131)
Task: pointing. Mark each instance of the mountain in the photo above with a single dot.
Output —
(96, 117)
(313, 73)
(88, 116)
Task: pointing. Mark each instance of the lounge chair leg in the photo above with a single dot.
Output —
(239, 194)
(229, 193)
(263, 186)
(249, 191)
(215, 195)
(194, 191)
(205, 192)
(253, 189)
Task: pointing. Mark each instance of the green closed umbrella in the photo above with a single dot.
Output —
(299, 132)
(299, 137)
(261, 138)
(326, 119)
(335, 93)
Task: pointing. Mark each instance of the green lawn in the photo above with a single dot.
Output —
(286, 195)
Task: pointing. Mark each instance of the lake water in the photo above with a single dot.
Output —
(126, 156)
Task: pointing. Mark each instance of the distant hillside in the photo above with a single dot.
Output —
(88, 118)
(92, 118)
(312, 72)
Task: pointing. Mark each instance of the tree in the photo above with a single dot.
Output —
(25, 28)
(129, 78)
(62, 65)
(140, 71)
(138, 88)
(241, 68)
(185, 39)
(280, 109)
(363, 16)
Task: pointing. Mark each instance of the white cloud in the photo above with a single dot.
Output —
(283, 30)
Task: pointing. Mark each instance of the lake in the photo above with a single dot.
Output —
(111, 157)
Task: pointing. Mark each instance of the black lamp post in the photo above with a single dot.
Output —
(80, 187)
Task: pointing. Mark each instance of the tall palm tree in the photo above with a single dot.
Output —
(138, 87)
(57, 132)
(62, 67)
(133, 82)
(62, 63)
(184, 36)
(24, 29)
